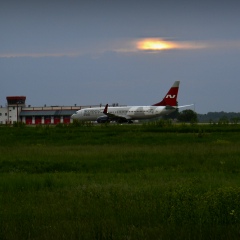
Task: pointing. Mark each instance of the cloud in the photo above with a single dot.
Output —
(155, 45)
(158, 45)
(148, 45)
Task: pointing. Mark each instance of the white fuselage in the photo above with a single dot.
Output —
(129, 112)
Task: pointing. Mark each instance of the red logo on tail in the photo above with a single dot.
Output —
(171, 97)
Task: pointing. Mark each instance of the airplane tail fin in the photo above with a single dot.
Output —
(105, 111)
(171, 97)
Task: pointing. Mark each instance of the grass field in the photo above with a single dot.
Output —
(150, 181)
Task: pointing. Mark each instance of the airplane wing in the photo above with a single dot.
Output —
(175, 107)
(113, 117)
(185, 106)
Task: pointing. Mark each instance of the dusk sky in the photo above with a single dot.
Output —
(127, 52)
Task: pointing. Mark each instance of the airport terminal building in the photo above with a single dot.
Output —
(17, 111)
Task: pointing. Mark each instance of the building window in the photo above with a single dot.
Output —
(5, 114)
(0, 114)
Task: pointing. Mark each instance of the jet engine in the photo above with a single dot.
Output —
(103, 119)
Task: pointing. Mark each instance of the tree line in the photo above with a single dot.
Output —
(189, 115)
(213, 117)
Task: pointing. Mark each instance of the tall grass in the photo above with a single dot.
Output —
(119, 182)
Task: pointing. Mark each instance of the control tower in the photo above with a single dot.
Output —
(14, 108)
(16, 100)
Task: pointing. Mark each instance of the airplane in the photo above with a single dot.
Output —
(128, 114)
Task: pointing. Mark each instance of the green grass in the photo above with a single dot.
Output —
(151, 181)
